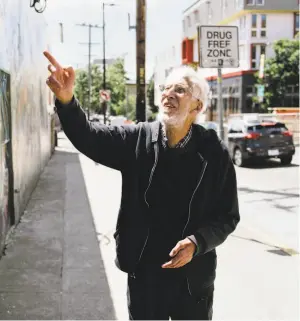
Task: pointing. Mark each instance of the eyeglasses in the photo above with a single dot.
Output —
(178, 89)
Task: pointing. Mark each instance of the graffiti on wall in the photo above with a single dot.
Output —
(23, 35)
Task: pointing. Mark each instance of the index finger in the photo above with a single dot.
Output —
(52, 59)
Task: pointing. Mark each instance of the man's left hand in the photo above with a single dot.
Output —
(181, 254)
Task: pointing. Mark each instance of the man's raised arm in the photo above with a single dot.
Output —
(109, 145)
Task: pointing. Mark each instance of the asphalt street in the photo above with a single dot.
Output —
(269, 201)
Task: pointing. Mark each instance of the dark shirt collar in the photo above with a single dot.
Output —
(181, 144)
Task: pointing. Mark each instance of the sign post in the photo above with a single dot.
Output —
(261, 88)
(104, 97)
(220, 104)
(219, 49)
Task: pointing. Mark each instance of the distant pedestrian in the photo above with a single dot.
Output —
(179, 195)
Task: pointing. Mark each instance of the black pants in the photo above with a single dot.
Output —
(164, 295)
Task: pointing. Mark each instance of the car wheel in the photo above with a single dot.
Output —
(286, 160)
(238, 158)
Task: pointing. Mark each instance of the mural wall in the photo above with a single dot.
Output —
(23, 38)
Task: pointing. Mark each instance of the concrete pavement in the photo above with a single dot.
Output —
(59, 263)
(52, 268)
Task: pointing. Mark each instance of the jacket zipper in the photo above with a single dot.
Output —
(145, 194)
(190, 204)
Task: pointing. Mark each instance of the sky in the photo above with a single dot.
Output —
(164, 28)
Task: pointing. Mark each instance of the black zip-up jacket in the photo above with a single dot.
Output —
(133, 150)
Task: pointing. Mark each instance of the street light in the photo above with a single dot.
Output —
(104, 60)
(38, 5)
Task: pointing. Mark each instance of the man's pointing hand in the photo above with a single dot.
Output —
(61, 81)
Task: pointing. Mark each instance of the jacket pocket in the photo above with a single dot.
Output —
(201, 274)
(129, 244)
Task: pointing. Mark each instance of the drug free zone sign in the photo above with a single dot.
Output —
(219, 46)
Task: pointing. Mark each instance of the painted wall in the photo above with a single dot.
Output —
(23, 38)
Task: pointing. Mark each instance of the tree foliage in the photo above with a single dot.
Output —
(115, 81)
(153, 109)
(280, 71)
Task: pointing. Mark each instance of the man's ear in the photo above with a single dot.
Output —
(199, 107)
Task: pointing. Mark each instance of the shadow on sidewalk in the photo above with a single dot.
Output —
(275, 249)
(53, 267)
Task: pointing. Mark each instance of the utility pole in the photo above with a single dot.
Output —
(104, 104)
(140, 60)
(89, 65)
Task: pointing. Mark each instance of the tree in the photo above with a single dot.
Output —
(151, 99)
(127, 108)
(116, 83)
(82, 87)
(280, 71)
(116, 79)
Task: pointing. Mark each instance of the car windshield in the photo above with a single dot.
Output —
(268, 129)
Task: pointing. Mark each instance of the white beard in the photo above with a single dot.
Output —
(176, 120)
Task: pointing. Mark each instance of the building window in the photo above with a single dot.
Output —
(290, 89)
(253, 57)
(260, 2)
(256, 52)
(250, 90)
(250, 2)
(242, 22)
(239, 4)
(296, 23)
(254, 26)
(242, 52)
(224, 7)
(189, 21)
(263, 30)
(196, 14)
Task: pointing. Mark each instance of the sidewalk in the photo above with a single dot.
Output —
(53, 267)
(60, 262)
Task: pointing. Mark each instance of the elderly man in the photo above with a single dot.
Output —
(179, 195)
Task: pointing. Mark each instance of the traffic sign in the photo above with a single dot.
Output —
(219, 47)
(104, 95)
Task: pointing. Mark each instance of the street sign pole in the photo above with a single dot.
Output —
(220, 104)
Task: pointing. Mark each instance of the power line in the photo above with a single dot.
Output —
(90, 26)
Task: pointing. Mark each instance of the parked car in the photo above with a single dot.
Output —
(216, 127)
(254, 139)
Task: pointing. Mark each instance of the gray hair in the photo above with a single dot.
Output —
(198, 83)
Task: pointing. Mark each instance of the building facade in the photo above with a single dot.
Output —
(25, 108)
(260, 24)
